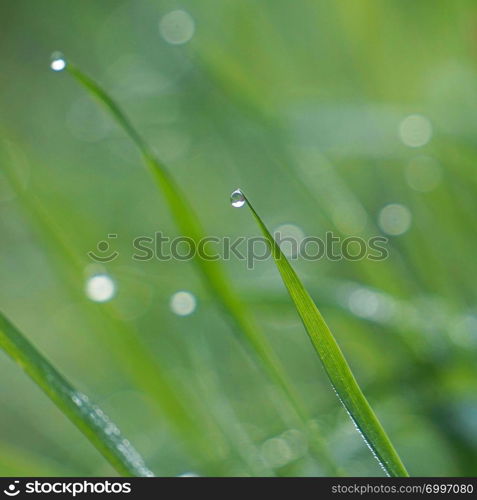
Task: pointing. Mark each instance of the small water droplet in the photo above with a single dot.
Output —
(100, 288)
(79, 399)
(415, 131)
(394, 219)
(58, 62)
(177, 27)
(237, 199)
(276, 452)
(183, 303)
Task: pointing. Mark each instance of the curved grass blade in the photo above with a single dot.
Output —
(89, 419)
(334, 362)
(211, 271)
(122, 340)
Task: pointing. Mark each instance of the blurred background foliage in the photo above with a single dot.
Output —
(354, 117)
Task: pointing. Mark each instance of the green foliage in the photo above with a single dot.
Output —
(304, 105)
(334, 362)
(211, 271)
(89, 419)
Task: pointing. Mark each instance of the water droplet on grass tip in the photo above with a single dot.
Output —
(237, 199)
(58, 62)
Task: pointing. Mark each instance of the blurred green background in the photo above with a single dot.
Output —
(352, 117)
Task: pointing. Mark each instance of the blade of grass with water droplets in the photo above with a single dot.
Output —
(334, 362)
(211, 271)
(122, 339)
(89, 419)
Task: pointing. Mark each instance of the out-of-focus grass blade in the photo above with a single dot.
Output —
(90, 419)
(16, 461)
(211, 271)
(334, 362)
(122, 339)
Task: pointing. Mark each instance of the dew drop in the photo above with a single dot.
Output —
(100, 288)
(276, 452)
(58, 62)
(395, 219)
(177, 27)
(183, 303)
(237, 199)
(79, 399)
(415, 131)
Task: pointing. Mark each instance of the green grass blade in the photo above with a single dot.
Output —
(211, 271)
(89, 419)
(121, 339)
(334, 362)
